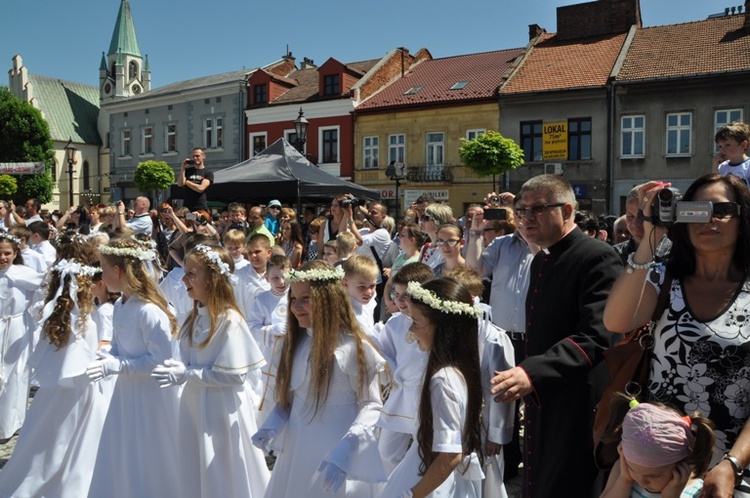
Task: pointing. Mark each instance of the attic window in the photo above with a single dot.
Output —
(459, 85)
(413, 90)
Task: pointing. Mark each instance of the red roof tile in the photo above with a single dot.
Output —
(484, 73)
(309, 82)
(564, 64)
(701, 47)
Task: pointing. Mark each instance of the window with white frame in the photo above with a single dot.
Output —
(396, 149)
(257, 143)
(679, 133)
(370, 153)
(434, 155)
(632, 136)
(213, 132)
(147, 140)
(126, 143)
(170, 132)
(329, 145)
(472, 134)
(723, 117)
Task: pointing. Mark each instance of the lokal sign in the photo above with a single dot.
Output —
(555, 140)
(21, 168)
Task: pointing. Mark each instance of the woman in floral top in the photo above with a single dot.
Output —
(701, 356)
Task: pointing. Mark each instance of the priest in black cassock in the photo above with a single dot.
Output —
(561, 376)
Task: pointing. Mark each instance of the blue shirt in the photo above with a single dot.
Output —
(508, 258)
(272, 224)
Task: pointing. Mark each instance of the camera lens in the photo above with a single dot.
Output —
(666, 195)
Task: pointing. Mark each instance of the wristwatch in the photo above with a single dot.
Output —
(476, 233)
(738, 470)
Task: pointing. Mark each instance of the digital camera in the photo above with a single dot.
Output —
(350, 201)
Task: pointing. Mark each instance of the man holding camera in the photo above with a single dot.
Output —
(141, 221)
(196, 178)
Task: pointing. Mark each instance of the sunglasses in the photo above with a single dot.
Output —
(426, 218)
(724, 210)
(536, 210)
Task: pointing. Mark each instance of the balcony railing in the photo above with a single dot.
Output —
(429, 173)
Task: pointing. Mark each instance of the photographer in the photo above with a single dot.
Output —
(141, 222)
(340, 220)
(701, 342)
(197, 179)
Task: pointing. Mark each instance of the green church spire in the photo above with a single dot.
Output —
(124, 39)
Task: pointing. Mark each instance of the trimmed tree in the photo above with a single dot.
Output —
(490, 154)
(152, 177)
(25, 137)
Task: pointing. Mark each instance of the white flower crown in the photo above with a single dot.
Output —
(68, 267)
(7, 236)
(215, 259)
(316, 275)
(419, 293)
(128, 252)
(146, 244)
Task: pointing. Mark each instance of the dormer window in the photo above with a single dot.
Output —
(331, 85)
(413, 90)
(261, 93)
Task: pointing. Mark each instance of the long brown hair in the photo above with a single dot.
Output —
(138, 279)
(455, 344)
(220, 294)
(58, 325)
(332, 315)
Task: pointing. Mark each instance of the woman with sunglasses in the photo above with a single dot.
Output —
(701, 351)
(434, 216)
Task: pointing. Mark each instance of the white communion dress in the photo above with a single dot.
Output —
(138, 449)
(17, 285)
(341, 432)
(57, 447)
(217, 415)
(449, 398)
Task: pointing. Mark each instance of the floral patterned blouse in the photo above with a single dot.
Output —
(704, 366)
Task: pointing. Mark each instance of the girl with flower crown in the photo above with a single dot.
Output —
(17, 285)
(217, 415)
(327, 395)
(137, 453)
(57, 446)
(445, 458)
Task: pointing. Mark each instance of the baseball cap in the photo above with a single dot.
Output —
(274, 203)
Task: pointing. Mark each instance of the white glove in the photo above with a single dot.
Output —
(171, 373)
(334, 477)
(102, 367)
(262, 439)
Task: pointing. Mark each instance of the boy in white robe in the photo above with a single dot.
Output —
(360, 280)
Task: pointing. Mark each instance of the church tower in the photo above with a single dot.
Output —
(122, 72)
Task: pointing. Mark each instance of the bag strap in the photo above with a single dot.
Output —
(377, 258)
(661, 303)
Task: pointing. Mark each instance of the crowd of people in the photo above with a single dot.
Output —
(258, 351)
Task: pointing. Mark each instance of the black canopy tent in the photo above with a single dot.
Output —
(280, 172)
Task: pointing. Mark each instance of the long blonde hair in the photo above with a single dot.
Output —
(220, 294)
(332, 314)
(138, 278)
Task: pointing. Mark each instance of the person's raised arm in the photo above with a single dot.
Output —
(10, 211)
(64, 218)
(475, 245)
(119, 219)
(181, 176)
(632, 302)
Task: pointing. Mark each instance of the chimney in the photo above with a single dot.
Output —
(307, 63)
(746, 24)
(536, 30)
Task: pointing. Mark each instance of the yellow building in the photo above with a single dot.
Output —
(416, 124)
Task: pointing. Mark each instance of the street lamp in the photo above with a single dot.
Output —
(70, 154)
(300, 126)
(396, 173)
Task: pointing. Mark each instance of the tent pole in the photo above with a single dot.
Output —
(300, 214)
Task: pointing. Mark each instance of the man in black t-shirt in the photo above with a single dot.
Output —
(196, 179)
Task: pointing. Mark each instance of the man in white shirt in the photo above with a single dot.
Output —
(141, 222)
(374, 244)
(32, 211)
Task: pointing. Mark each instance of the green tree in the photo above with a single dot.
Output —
(25, 137)
(8, 186)
(153, 176)
(490, 154)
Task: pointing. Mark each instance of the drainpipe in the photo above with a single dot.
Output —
(611, 144)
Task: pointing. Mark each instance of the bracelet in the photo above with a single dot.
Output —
(632, 265)
(738, 470)
(476, 233)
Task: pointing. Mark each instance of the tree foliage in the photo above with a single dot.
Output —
(153, 175)
(25, 137)
(490, 154)
(8, 186)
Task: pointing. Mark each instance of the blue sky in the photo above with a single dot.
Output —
(190, 38)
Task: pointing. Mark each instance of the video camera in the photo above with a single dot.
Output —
(667, 208)
(350, 201)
